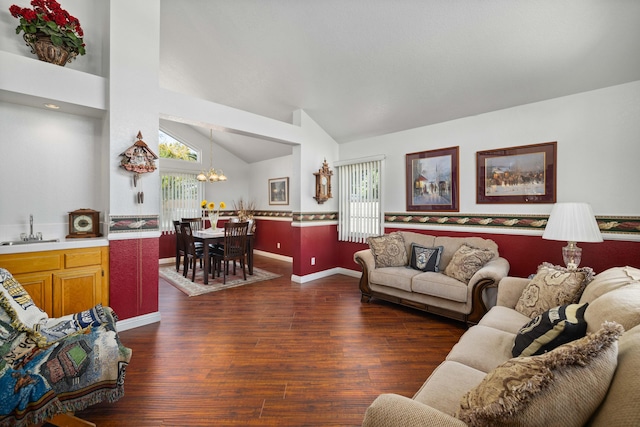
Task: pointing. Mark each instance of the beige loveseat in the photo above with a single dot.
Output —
(603, 391)
(433, 291)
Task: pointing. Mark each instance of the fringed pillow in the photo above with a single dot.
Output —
(388, 250)
(466, 261)
(562, 387)
(553, 286)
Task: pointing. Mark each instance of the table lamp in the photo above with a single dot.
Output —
(572, 222)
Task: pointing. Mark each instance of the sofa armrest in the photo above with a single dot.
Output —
(495, 270)
(368, 263)
(509, 290)
(488, 276)
(395, 410)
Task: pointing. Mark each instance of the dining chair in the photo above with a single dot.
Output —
(191, 251)
(235, 248)
(197, 224)
(179, 244)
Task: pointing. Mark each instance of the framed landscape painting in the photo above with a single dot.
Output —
(279, 191)
(432, 180)
(524, 174)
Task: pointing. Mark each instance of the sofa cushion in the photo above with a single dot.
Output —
(551, 329)
(553, 286)
(538, 390)
(466, 261)
(388, 250)
(439, 285)
(482, 348)
(440, 392)
(620, 305)
(504, 319)
(394, 277)
(609, 280)
(425, 259)
(616, 409)
(410, 237)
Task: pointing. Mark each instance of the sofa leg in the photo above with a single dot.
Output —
(365, 298)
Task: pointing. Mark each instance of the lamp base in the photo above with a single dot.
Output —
(572, 255)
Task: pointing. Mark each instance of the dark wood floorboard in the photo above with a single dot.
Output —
(273, 353)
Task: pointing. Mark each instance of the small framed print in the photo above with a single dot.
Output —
(524, 174)
(279, 191)
(432, 180)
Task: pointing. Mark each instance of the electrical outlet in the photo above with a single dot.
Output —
(278, 245)
(313, 260)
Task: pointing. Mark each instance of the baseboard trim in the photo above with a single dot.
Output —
(272, 255)
(323, 274)
(136, 322)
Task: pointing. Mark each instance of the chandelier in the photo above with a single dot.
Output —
(213, 175)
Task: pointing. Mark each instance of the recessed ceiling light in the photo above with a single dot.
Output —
(52, 106)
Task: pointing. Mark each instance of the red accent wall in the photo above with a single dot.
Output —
(318, 241)
(133, 270)
(526, 253)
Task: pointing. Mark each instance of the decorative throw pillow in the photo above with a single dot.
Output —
(551, 329)
(388, 250)
(553, 286)
(466, 261)
(425, 259)
(538, 390)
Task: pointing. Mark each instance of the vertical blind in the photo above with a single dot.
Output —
(360, 199)
(181, 196)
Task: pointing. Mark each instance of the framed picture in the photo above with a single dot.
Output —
(432, 180)
(279, 191)
(525, 174)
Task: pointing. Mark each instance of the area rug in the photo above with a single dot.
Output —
(198, 287)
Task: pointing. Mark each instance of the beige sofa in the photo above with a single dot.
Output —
(614, 295)
(435, 292)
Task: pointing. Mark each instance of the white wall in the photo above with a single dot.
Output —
(260, 173)
(598, 135)
(48, 166)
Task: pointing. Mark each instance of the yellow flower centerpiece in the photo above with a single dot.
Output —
(212, 213)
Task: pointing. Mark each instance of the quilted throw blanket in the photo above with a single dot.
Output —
(54, 365)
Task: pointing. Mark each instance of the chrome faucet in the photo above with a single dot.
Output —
(31, 236)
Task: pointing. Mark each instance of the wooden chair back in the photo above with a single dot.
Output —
(235, 240)
(196, 223)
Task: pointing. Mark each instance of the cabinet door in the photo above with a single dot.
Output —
(39, 287)
(76, 290)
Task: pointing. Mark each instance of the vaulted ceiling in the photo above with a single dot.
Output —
(362, 68)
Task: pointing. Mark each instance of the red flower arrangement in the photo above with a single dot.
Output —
(48, 18)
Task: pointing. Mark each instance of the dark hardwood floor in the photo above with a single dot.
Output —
(274, 353)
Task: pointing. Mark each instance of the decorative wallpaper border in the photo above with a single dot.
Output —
(607, 224)
(315, 216)
(133, 223)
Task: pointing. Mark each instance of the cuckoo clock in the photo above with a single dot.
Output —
(323, 183)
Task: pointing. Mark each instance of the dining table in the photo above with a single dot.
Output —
(211, 237)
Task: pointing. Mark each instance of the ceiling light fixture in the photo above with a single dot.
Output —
(212, 175)
(52, 106)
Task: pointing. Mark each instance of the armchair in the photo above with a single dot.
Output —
(51, 366)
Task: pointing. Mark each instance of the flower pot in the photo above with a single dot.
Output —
(46, 51)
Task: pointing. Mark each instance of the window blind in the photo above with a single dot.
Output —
(360, 200)
(181, 196)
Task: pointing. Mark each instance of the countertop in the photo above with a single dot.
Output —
(54, 246)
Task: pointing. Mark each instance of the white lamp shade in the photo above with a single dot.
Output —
(572, 222)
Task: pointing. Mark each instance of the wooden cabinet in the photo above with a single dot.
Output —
(65, 281)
